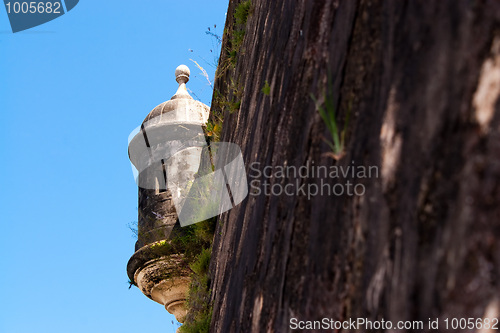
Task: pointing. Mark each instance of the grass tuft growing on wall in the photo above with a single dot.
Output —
(242, 11)
(198, 301)
(328, 113)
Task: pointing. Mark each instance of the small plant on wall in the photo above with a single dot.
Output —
(328, 113)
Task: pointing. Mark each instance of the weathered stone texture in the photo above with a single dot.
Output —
(421, 78)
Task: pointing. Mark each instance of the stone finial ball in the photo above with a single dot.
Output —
(182, 74)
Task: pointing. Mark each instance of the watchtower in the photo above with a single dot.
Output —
(166, 152)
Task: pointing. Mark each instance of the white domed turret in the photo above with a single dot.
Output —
(166, 151)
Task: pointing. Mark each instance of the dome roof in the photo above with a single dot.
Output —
(170, 125)
(181, 108)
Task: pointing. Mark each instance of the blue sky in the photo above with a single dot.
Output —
(71, 91)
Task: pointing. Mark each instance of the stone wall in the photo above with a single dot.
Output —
(421, 80)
